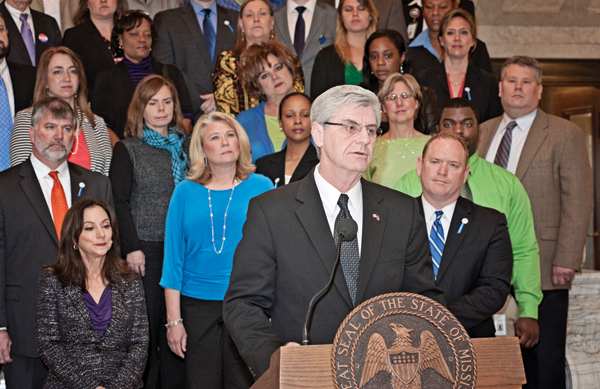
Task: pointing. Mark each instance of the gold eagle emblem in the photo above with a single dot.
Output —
(404, 362)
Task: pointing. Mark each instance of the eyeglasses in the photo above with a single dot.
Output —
(403, 96)
(353, 129)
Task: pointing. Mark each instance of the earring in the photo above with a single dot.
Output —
(75, 247)
(205, 161)
(243, 37)
(111, 242)
(120, 47)
(401, 69)
(272, 36)
(280, 128)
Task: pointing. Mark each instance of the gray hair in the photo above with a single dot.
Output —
(328, 104)
(523, 60)
(56, 108)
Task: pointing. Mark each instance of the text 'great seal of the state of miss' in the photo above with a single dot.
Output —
(402, 341)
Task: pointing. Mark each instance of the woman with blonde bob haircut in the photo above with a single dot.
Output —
(204, 226)
(397, 150)
(147, 166)
(61, 74)
(342, 62)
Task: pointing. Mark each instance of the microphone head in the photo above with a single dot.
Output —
(347, 229)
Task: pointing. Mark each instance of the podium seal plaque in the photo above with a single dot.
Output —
(402, 341)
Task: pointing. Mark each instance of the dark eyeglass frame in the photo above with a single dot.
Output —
(353, 129)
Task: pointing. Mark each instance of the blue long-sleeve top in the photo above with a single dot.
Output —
(191, 264)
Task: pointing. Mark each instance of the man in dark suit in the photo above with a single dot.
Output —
(43, 31)
(470, 245)
(549, 155)
(32, 205)
(287, 251)
(19, 81)
(318, 24)
(181, 42)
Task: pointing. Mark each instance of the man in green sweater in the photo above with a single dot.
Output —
(491, 186)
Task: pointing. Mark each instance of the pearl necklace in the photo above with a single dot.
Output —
(76, 144)
(224, 218)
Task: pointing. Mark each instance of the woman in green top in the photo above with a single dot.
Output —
(342, 62)
(397, 150)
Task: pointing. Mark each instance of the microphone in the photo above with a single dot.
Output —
(347, 230)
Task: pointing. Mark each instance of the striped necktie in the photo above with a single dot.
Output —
(436, 242)
(504, 149)
(6, 125)
(350, 256)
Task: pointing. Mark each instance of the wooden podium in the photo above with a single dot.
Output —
(499, 366)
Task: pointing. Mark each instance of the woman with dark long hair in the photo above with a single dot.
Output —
(92, 327)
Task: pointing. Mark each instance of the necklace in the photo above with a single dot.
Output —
(224, 218)
(455, 83)
(76, 145)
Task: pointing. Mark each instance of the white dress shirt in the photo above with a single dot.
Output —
(16, 15)
(307, 15)
(46, 182)
(330, 196)
(519, 135)
(52, 8)
(5, 74)
(429, 212)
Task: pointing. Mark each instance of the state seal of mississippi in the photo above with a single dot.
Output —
(402, 341)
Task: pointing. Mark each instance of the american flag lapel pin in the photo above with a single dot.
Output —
(376, 216)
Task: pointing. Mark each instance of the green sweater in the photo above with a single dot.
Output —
(499, 189)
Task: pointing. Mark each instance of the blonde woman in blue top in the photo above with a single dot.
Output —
(204, 226)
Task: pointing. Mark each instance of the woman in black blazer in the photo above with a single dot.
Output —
(91, 321)
(299, 156)
(90, 39)
(455, 76)
(133, 34)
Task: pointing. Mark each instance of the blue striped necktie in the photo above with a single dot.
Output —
(504, 149)
(436, 242)
(6, 125)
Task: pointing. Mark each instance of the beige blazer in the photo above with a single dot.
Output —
(555, 170)
(67, 10)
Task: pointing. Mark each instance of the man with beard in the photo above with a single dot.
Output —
(34, 198)
(12, 99)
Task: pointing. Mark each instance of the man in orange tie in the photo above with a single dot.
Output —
(34, 198)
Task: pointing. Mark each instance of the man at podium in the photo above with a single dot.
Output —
(289, 239)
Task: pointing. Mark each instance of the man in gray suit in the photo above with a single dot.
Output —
(34, 197)
(183, 40)
(306, 26)
(548, 154)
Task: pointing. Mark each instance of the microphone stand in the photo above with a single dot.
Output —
(319, 296)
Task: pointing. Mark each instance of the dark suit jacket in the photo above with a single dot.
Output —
(328, 71)
(180, 42)
(43, 24)
(69, 344)
(273, 165)
(286, 256)
(555, 171)
(28, 241)
(420, 58)
(114, 91)
(321, 34)
(23, 82)
(87, 42)
(483, 89)
(476, 266)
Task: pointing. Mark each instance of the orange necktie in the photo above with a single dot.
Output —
(59, 203)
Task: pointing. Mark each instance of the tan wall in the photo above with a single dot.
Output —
(566, 29)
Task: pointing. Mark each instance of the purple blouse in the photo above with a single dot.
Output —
(101, 312)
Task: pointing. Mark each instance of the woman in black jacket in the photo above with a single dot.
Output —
(133, 35)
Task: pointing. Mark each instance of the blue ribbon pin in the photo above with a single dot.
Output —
(464, 221)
